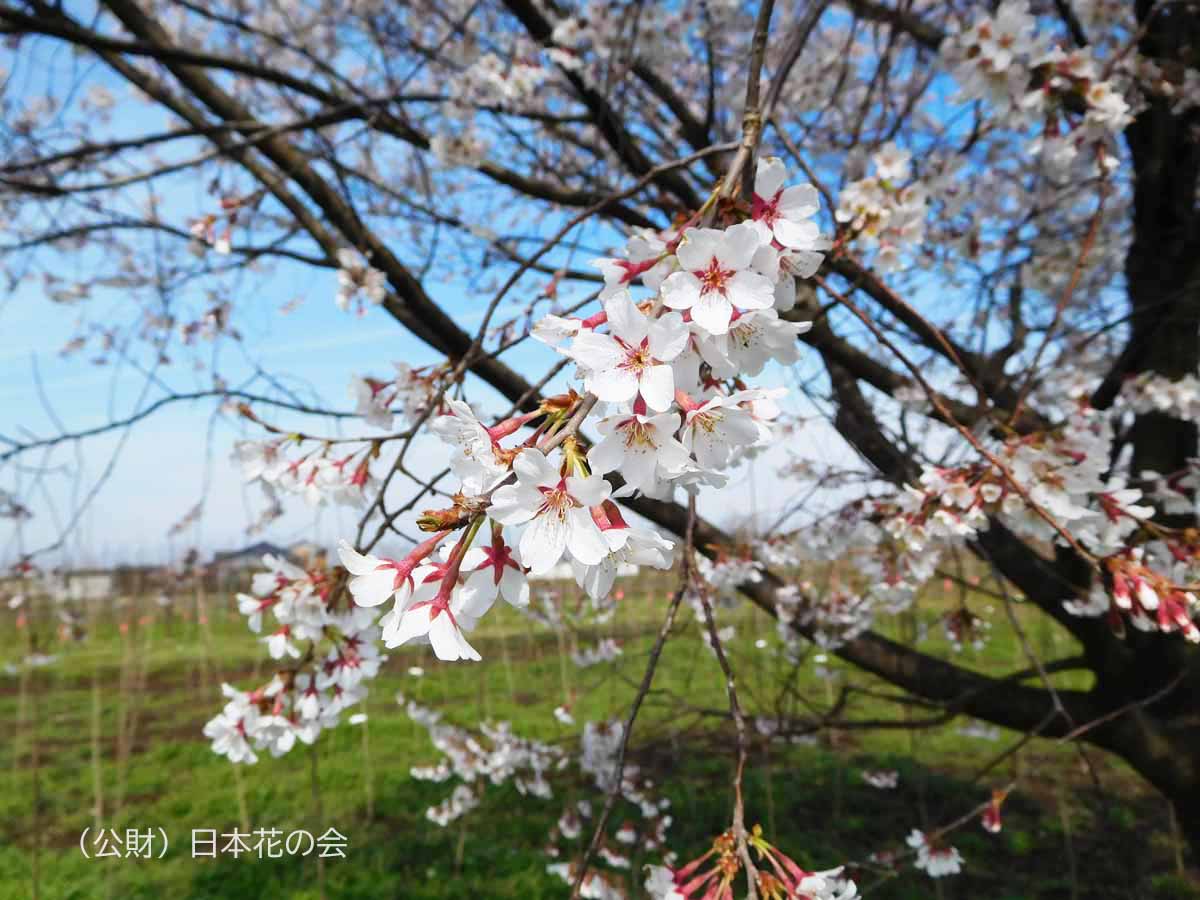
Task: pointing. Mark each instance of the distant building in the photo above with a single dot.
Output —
(89, 584)
(231, 562)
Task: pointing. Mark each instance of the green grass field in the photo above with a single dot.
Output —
(110, 735)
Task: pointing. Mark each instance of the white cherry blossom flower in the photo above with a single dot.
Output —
(753, 338)
(553, 330)
(937, 860)
(714, 429)
(784, 214)
(717, 276)
(635, 546)
(230, 731)
(494, 570)
(355, 276)
(642, 448)
(433, 613)
(371, 401)
(474, 461)
(631, 359)
(557, 508)
(646, 259)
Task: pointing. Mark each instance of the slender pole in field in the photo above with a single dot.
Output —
(318, 815)
(560, 631)
(35, 867)
(95, 725)
(24, 622)
(131, 689)
(97, 768)
(767, 770)
(368, 770)
(485, 688)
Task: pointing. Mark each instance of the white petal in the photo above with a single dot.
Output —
(613, 385)
(607, 454)
(769, 177)
(625, 320)
(543, 542)
(590, 491)
(785, 291)
(598, 580)
(514, 587)
(658, 387)
(356, 563)
(799, 202)
(583, 538)
(513, 504)
(713, 312)
(638, 467)
(804, 263)
(477, 594)
(681, 290)
(443, 636)
(739, 245)
(668, 336)
(797, 235)
(410, 624)
(596, 352)
(749, 290)
(698, 247)
(373, 588)
(534, 469)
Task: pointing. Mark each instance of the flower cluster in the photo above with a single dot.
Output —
(323, 474)
(665, 373)
(778, 876)
(410, 392)
(933, 857)
(358, 281)
(493, 755)
(605, 651)
(883, 779)
(964, 628)
(1152, 599)
(1028, 80)
(1149, 392)
(1063, 477)
(886, 210)
(644, 829)
(327, 651)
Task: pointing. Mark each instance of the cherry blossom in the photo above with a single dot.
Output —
(557, 508)
(358, 279)
(376, 580)
(936, 859)
(495, 569)
(230, 731)
(717, 277)
(643, 448)
(630, 360)
(715, 429)
(754, 338)
(784, 214)
(475, 461)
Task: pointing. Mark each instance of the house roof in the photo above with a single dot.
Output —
(262, 548)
